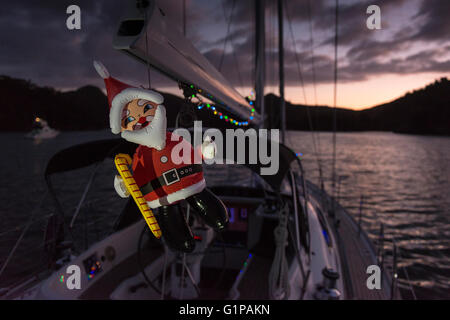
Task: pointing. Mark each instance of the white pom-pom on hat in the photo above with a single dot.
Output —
(101, 69)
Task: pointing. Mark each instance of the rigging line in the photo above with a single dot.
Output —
(313, 70)
(146, 52)
(163, 285)
(237, 67)
(85, 192)
(311, 40)
(253, 45)
(281, 69)
(299, 71)
(268, 44)
(16, 245)
(411, 288)
(268, 56)
(267, 65)
(300, 74)
(335, 97)
(184, 18)
(236, 62)
(226, 37)
(184, 259)
(140, 262)
(272, 66)
(274, 38)
(23, 226)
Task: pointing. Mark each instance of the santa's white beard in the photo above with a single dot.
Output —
(153, 135)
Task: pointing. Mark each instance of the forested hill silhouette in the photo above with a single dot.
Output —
(21, 101)
(83, 109)
(423, 111)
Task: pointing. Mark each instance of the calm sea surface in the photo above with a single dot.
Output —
(404, 181)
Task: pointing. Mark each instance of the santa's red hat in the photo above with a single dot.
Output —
(119, 94)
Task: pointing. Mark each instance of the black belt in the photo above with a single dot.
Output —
(170, 177)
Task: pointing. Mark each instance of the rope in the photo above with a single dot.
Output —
(296, 221)
(278, 276)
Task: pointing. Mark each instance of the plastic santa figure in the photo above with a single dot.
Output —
(140, 117)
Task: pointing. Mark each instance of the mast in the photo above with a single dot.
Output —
(281, 69)
(260, 54)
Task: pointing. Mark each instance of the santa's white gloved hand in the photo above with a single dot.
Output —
(120, 187)
(209, 148)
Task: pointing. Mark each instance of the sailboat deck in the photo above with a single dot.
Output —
(357, 253)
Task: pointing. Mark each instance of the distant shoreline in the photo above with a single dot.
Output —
(306, 131)
(423, 112)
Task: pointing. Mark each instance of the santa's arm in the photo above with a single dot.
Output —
(208, 148)
(120, 187)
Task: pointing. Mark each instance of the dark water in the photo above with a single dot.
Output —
(404, 179)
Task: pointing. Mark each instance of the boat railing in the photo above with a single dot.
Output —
(7, 237)
(27, 258)
(396, 256)
(394, 269)
(391, 269)
(380, 249)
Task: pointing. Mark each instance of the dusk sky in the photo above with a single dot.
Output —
(411, 50)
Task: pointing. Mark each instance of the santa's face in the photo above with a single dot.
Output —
(138, 114)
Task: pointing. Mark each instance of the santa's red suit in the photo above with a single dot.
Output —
(163, 182)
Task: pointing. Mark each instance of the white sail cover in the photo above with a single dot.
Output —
(173, 55)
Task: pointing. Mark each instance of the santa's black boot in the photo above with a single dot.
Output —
(210, 208)
(175, 229)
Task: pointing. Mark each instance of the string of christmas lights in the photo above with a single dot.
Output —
(221, 115)
(191, 93)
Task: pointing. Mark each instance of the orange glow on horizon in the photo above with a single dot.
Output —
(364, 94)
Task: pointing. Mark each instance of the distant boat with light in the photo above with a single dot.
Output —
(41, 130)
